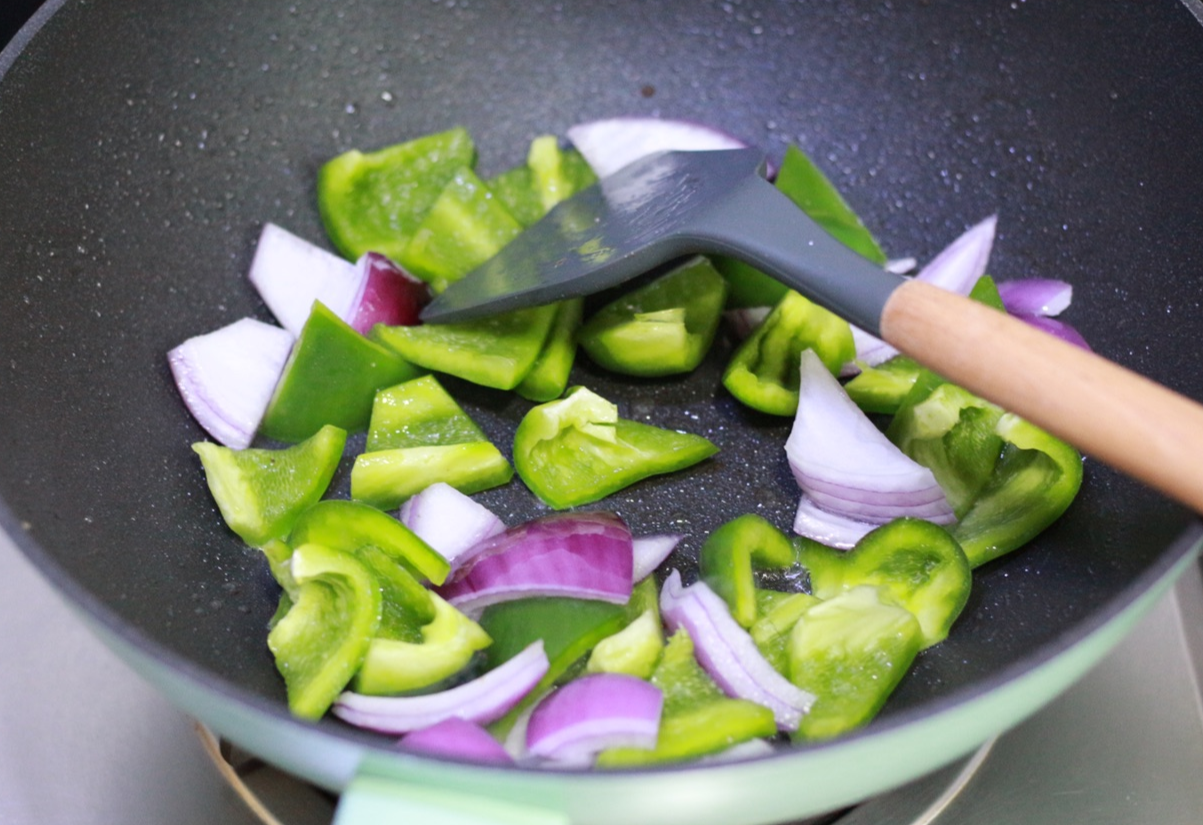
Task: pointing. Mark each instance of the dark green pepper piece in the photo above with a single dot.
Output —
(763, 372)
(918, 564)
(577, 450)
(499, 351)
(850, 652)
(374, 202)
(349, 525)
(731, 553)
(321, 641)
(261, 492)
(1035, 479)
(665, 327)
(330, 377)
(801, 181)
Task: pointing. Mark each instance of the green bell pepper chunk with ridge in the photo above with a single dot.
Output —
(730, 555)
(577, 450)
(374, 202)
(548, 378)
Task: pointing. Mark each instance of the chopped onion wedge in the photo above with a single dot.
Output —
(649, 552)
(450, 521)
(847, 466)
(956, 269)
(574, 723)
(483, 700)
(226, 377)
(814, 522)
(387, 294)
(745, 319)
(726, 651)
(1056, 327)
(610, 144)
(1035, 296)
(580, 555)
(290, 274)
(459, 738)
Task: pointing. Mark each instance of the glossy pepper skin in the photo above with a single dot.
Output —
(730, 555)
(577, 450)
(662, 328)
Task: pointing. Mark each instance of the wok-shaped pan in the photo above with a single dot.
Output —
(144, 142)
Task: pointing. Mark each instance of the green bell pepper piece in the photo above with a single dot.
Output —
(330, 377)
(697, 719)
(418, 413)
(497, 352)
(386, 478)
(549, 175)
(548, 378)
(763, 372)
(1035, 479)
(850, 652)
(261, 492)
(321, 641)
(919, 565)
(801, 181)
(577, 450)
(515, 188)
(350, 525)
(665, 327)
(634, 650)
(881, 389)
(730, 555)
(446, 645)
(374, 202)
(465, 227)
(778, 613)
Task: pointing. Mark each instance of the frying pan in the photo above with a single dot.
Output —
(143, 143)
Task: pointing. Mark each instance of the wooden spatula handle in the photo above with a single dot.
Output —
(1111, 413)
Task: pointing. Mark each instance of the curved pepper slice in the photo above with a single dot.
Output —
(374, 202)
(763, 372)
(850, 652)
(321, 641)
(330, 377)
(662, 328)
(261, 492)
(577, 450)
(349, 525)
(730, 553)
(918, 564)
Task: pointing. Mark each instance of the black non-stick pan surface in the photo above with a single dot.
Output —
(143, 144)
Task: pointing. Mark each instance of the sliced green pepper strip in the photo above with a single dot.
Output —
(763, 372)
(418, 413)
(447, 644)
(556, 174)
(802, 182)
(778, 613)
(349, 525)
(697, 719)
(1035, 480)
(665, 327)
(577, 450)
(882, 388)
(406, 605)
(261, 492)
(464, 227)
(497, 352)
(919, 565)
(330, 377)
(386, 478)
(321, 641)
(515, 188)
(850, 652)
(548, 378)
(374, 202)
(730, 555)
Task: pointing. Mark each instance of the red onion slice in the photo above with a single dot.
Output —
(1035, 296)
(290, 274)
(814, 522)
(610, 144)
(834, 447)
(387, 295)
(956, 269)
(649, 552)
(459, 738)
(581, 555)
(450, 521)
(1060, 329)
(482, 700)
(226, 377)
(726, 651)
(574, 723)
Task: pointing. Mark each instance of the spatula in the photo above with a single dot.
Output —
(677, 203)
